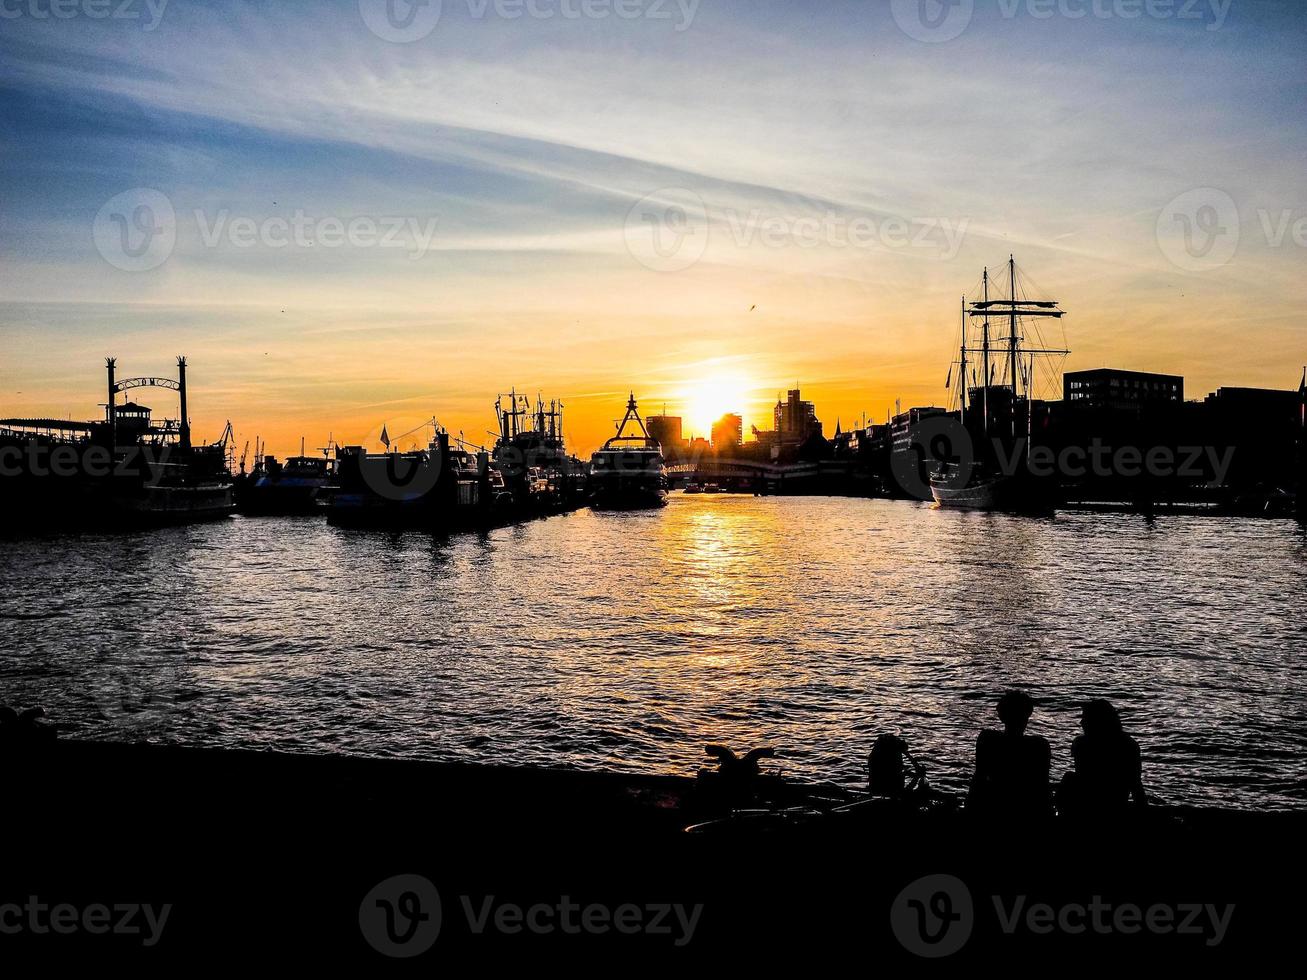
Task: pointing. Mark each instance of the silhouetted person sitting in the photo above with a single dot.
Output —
(1011, 777)
(887, 768)
(1107, 772)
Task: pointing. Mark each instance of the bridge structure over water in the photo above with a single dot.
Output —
(733, 473)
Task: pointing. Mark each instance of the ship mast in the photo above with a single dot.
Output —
(985, 355)
(962, 392)
(1012, 328)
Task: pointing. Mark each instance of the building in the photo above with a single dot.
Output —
(1257, 406)
(667, 430)
(1116, 389)
(728, 432)
(795, 420)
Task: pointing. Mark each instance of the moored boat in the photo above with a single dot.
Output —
(628, 473)
(996, 421)
(129, 468)
(296, 486)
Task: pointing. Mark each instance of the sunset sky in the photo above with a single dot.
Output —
(705, 203)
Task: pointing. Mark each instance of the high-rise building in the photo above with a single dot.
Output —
(727, 432)
(667, 430)
(795, 420)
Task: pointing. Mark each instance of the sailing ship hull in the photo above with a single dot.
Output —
(984, 495)
(1018, 493)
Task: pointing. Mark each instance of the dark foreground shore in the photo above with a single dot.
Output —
(264, 855)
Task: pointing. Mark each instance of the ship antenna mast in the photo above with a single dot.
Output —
(984, 364)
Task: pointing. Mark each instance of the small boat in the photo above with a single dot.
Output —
(296, 486)
(628, 473)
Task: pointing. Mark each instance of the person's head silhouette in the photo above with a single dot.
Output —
(1098, 717)
(1014, 710)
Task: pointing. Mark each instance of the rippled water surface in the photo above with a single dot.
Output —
(629, 640)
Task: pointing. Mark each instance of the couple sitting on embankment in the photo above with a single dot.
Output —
(1012, 768)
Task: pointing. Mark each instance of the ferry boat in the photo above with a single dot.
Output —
(129, 468)
(628, 473)
(997, 420)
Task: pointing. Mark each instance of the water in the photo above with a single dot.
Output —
(628, 641)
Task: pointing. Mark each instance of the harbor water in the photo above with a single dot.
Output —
(628, 640)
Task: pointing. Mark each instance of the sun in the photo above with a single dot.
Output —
(708, 399)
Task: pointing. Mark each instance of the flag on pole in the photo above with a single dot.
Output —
(948, 382)
(385, 438)
(1302, 398)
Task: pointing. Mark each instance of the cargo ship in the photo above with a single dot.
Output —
(128, 468)
(628, 473)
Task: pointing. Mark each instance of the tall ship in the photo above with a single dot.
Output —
(628, 472)
(128, 468)
(530, 453)
(997, 407)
